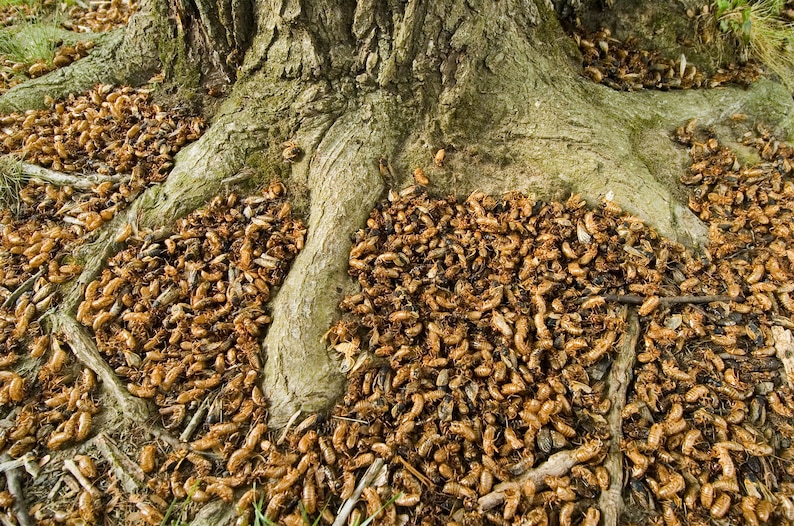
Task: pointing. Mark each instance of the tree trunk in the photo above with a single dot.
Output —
(497, 85)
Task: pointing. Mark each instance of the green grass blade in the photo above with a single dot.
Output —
(371, 518)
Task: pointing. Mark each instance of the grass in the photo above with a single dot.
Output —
(35, 35)
(762, 33)
(260, 519)
(170, 518)
(12, 180)
(31, 43)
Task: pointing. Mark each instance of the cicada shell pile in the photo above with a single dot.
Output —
(482, 339)
(179, 316)
(480, 344)
(115, 132)
(622, 65)
(46, 413)
(708, 428)
(107, 130)
(100, 16)
(14, 73)
(480, 361)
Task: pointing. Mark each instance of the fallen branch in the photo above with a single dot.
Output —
(79, 181)
(631, 299)
(611, 501)
(15, 489)
(367, 480)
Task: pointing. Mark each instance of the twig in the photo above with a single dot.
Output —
(350, 419)
(27, 460)
(15, 489)
(631, 299)
(347, 508)
(415, 472)
(195, 420)
(80, 181)
(24, 287)
(611, 501)
(84, 482)
(287, 427)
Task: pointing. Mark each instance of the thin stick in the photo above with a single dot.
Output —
(423, 479)
(15, 489)
(631, 299)
(350, 419)
(84, 482)
(369, 477)
(195, 420)
(25, 460)
(611, 501)
(287, 427)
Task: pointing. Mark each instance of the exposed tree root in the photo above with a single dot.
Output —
(597, 142)
(83, 346)
(124, 56)
(611, 501)
(14, 485)
(134, 409)
(79, 181)
(344, 186)
(101, 66)
(125, 470)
